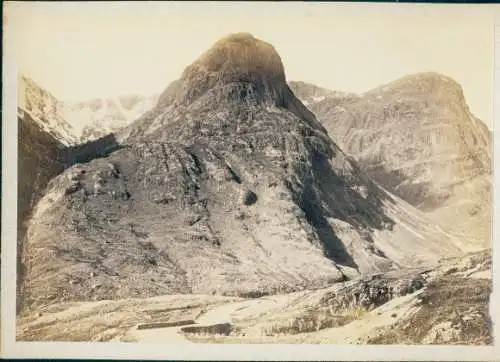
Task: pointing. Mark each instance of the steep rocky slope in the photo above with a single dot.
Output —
(46, 110)
(43, 135)
(229, 185)
(40, 157)
(47, 145)
(417, 138)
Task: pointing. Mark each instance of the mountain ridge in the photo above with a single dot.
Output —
(45, 109)
(417, 137)
(75, 123)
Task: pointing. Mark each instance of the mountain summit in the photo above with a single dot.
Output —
(237, 70)
(238, 58)
(431, 85)
(229, 185)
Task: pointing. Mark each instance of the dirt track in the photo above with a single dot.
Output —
(218, 315)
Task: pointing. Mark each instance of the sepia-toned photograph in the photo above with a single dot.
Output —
(237, 173)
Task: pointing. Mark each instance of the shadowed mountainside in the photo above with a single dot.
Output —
(42, 155)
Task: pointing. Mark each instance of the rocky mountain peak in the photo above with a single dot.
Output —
(237, 59)
(440, 87)
(241, 52)
(238, 73)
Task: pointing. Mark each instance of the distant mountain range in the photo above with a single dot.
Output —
(74, 123)
(104, 116)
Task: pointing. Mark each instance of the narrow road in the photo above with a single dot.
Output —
(219, 314)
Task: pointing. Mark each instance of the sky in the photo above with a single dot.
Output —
(84, 50)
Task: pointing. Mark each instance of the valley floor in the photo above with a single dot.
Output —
(448, 304)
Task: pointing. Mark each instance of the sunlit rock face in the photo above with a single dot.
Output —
(417, 137)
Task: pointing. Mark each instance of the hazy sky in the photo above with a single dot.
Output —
(83, 50)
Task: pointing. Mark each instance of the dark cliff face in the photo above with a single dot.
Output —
(40, 157)
(90, 150)
(228, 186)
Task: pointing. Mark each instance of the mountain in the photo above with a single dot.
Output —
(100, 117)
(417, 138)
(46, 110)
(229, 185)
